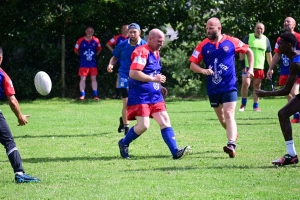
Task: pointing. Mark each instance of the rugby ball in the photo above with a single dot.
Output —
(42, 83)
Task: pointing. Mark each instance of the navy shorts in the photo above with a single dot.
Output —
(225, 97)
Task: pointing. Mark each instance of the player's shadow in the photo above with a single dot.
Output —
(61, 136)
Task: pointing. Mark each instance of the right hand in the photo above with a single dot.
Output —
(269, 74)
(23, 120)
(160, 78)
(110, 68)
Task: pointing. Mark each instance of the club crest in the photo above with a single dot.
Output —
(226, 48)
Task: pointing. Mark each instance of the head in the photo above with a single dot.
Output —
(124, 29)
(1, 55)
(287, 43)
(134, 32)
(289, 24)
(259, 29)
(89, 31)
(156, 39)
(213, 29)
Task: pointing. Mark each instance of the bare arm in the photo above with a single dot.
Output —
(15, 107)
(274, 61)
(113, 60)
(269, 58)
(98, 52)
(250, 57)
(109, 47)
(76, 52)
(197, 69)
(141, 76)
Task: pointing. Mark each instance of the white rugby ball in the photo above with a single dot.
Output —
(42, 83)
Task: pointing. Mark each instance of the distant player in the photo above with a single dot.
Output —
(218, 52)
(87, 48)
(287, 46)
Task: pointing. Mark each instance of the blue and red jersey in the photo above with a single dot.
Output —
(117, 39)
(6, 86)
(123, 52)
(147, 61)
(284, 60)
(88, 51)
(220, 58)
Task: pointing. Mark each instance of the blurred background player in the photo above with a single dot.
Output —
(87, 48)
(110, 45)
(218, 52)
(6, 138)
(122, 54)
(289, 25)
(261, 47)
(145, 98)
(287, 46)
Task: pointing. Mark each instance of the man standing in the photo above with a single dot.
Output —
(287, 46)
(122, 54)
(145, 98)
(87, 48)
(261, 47)
(218, 51)
(289, 25)
(6, 138)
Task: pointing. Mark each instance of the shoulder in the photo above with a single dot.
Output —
(96, 39)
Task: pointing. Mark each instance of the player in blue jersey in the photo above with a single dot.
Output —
(287, 46)
(145, 98)
(218, 53)
(113, 42)
(6, 138)
(87, 48)
(122, 54)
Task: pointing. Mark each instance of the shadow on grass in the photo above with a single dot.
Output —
(49, 136)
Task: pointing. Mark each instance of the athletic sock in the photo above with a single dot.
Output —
(130, 136)
(244, 101)
(290, 147)
(255, 105)
(169, 138)
(82, 94)
(95, 93)
(232, 143)
(126, 128)
(296, 115)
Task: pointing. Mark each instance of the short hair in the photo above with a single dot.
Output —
(1, 51)
(290, 38)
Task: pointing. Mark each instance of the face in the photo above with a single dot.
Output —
(289, 24)
(212, 30)
(259, 29)
(134, 34)
(124, 30)
(89, 32)
(283, 46)
(157, 41)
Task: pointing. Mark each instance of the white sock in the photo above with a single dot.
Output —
(20, 173)
(290, 147)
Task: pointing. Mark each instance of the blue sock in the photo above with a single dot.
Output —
(296, 115)
(82, 94)
(255, 105)
(130, 136)
(244, 101)
(95, 93)
(169, 138)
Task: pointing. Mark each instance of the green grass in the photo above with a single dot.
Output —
(72, 147)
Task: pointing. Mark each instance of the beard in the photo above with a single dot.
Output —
(212, 36)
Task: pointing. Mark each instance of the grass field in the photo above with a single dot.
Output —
(72, 147)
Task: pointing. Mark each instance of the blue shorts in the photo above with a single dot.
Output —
(122, 82)
(225, 97)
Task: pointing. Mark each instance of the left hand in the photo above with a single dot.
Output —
(164, 91)
(250, 74)
(23, 120)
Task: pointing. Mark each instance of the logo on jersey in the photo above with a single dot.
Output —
(89, 54)
(240, 44)
(285, 60)
(195, 53)
(226, 48)
(156, 86)
(140, 60)
(11, 84)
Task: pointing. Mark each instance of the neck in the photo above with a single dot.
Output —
(133, 42)
(291, 54)
(88, 37)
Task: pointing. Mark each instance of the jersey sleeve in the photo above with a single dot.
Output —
(139, 59)
(77, 45)
(246, 39)
(118, 50)
(240, 47)
(276, 45)
(97, 40)
(7, 85)
(269, 48)
(113, 40)
(197, 54)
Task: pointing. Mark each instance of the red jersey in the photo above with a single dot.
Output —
(6, 86)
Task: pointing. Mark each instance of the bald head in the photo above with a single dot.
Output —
(156, 39)
(259, 29)
(213, 29)
(289, 24)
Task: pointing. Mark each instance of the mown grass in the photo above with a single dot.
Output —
(72, 147)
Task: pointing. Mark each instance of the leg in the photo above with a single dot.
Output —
(82, 83)
(124, 116)
(231, 127)
(94, 87)
(220, 114)
(293, 93)
(244, 92)
(256, 86)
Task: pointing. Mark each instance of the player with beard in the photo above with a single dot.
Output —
(289, 25)
(218, 53)
(287, 46)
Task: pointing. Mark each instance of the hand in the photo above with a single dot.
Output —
(160, 78)
(250, 74)
(164, 91)
(260, 93)
(208, 72)
(23, 120)
(110, 68)
(270, 74)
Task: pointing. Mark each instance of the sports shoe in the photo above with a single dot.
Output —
(121, 125)
(256, 109)
(286, 160)
(181, 153)
(81, 98)
(230, 150)
(295, 121)
(96, 98)
(123, 149)
(25, 178)
(242, 108)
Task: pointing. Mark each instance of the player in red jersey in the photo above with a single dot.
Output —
(87, 48)
(6, 138)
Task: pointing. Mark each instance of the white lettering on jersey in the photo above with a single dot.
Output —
(139, 60)
(196, 53)
(240, 44)
(11, 84)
